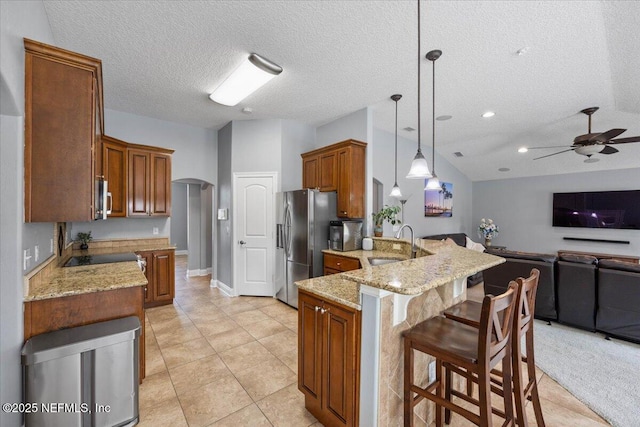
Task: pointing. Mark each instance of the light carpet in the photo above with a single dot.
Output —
(604, 375)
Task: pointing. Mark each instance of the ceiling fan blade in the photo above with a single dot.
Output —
(606, 136)
(625, 140)
(551, 146)
(559, 152)
(609, 150)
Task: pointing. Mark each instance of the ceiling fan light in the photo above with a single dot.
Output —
(395, 191)
(433, 184)
(419, 167)
(589, 150)
(251, 75)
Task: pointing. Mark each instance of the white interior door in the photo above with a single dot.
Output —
(254, 234)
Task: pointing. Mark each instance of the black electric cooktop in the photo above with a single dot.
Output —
(100, 259)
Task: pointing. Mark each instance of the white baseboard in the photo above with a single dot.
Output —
(182, 252)
(223, 288)
(195, 273)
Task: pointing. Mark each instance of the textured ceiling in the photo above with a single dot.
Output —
(161, 59)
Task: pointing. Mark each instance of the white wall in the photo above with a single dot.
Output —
(179, 218)
(195, 148)
(522, 208)
(297, 138)
(383, 171)
(256, 146)
(17, 20)
(352, 126)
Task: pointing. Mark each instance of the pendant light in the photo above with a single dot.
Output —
(395, 191)
(419, 167)
(434, 182)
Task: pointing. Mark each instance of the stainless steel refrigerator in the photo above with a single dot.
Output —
(302, 232)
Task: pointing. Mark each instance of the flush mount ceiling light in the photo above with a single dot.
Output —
(419, 167)
(434, 182)
(523, 150)
(488, 114)
(251, 75)
(395, 191)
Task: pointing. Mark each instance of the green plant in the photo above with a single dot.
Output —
(388, 213)
(84, 238)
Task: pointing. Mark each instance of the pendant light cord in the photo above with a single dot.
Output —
(433, 121)
(419, 59)
(396, 162)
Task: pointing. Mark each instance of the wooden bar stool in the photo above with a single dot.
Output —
(469, 313)
(474, 350)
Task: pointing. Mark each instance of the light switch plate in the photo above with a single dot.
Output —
(155, 230)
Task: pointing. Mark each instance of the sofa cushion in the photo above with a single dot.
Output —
(619, 265)
(579, 259)
(522, 255)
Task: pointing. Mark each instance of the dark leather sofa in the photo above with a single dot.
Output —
(519, 264)
(619, 299)
(577, 291)
(461, 240)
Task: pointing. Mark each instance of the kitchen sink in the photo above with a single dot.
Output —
(381, 261)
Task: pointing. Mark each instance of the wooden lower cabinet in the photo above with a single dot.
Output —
(160, 272)
(329, 359)
(334, 264)
(48, 315)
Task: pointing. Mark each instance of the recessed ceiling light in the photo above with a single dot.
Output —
(488, 114)
(523, 150)
(444, 117)
(504, 169)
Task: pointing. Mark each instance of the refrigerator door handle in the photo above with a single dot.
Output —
(287, 241)
(278, 236)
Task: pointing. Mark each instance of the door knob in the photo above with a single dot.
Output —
(242, 242)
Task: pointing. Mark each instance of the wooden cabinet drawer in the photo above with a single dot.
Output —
(340, 263)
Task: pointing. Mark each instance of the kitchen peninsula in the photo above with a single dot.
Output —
(368, 309)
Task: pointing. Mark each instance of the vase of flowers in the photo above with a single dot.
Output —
(487, 230)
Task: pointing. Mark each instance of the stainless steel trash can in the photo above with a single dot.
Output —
(83, 376)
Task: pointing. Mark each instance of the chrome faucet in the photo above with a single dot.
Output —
(414, 250)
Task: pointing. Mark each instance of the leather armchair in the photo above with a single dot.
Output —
(577, 291)
(619, 299)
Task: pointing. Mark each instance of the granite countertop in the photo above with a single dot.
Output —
(88, 278)
(437, 263)
(65, 281)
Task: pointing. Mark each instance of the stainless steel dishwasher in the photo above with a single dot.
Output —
(83, 376)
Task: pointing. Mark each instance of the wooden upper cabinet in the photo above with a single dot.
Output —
(149, 189)
(338, 167)
(114, 170)
(310, 172)
(63, 123)
(320, 171)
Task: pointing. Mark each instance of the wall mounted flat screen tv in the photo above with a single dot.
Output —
(597, 209)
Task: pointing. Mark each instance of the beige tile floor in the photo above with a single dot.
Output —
(219, 361)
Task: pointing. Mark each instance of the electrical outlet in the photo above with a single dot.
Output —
(155, 230)
(26, 260)
(36, 253)
(51, 246)
(397, 247)
(432, 371)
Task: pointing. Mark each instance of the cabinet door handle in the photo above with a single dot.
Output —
(337, 263)
(317, 308)
(323, 311)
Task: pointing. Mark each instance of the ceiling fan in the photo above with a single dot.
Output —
(593, 143)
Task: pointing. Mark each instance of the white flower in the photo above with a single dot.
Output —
(490, 221)
(482, 220)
